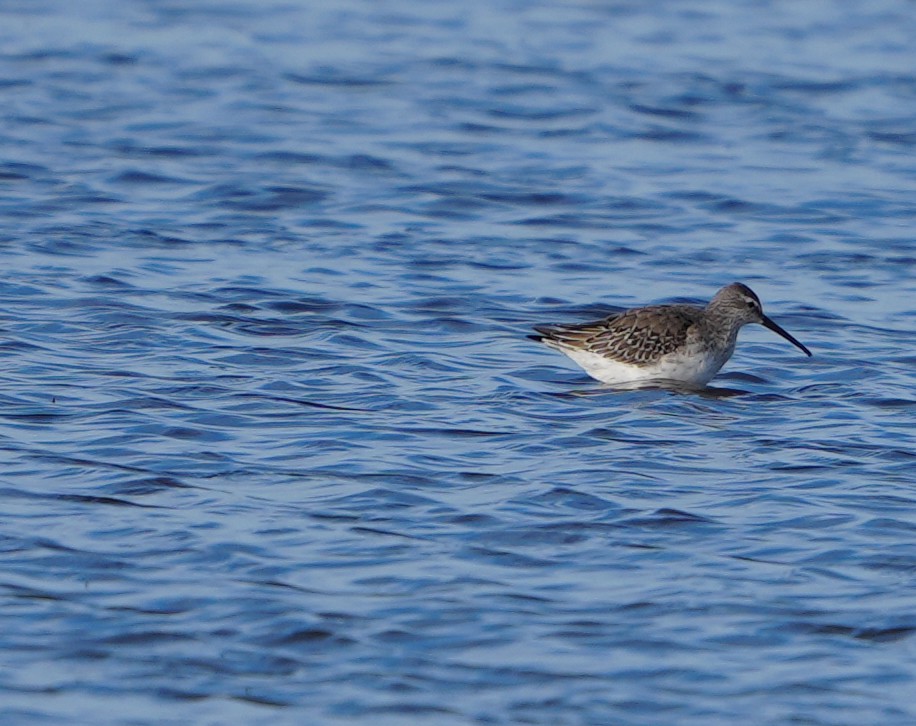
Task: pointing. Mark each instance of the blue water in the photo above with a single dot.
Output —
(275, 447)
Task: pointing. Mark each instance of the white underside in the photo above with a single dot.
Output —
(693, 369)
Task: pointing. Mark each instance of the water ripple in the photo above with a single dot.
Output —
(277, 447)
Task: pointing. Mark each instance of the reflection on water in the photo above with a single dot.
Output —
(660, 385)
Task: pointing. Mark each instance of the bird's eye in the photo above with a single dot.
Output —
(751, 304)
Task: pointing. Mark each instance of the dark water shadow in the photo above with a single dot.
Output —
(660, 385)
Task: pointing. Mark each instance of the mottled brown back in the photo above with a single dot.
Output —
(638, 337)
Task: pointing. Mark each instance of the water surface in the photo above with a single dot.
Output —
(277, 450)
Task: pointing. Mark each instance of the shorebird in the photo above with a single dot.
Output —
(684, 344)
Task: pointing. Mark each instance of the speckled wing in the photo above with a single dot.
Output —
(637, 337)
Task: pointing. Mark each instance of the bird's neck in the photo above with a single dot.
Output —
(721, 327)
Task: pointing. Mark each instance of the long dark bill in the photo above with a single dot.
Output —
(767, 323)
